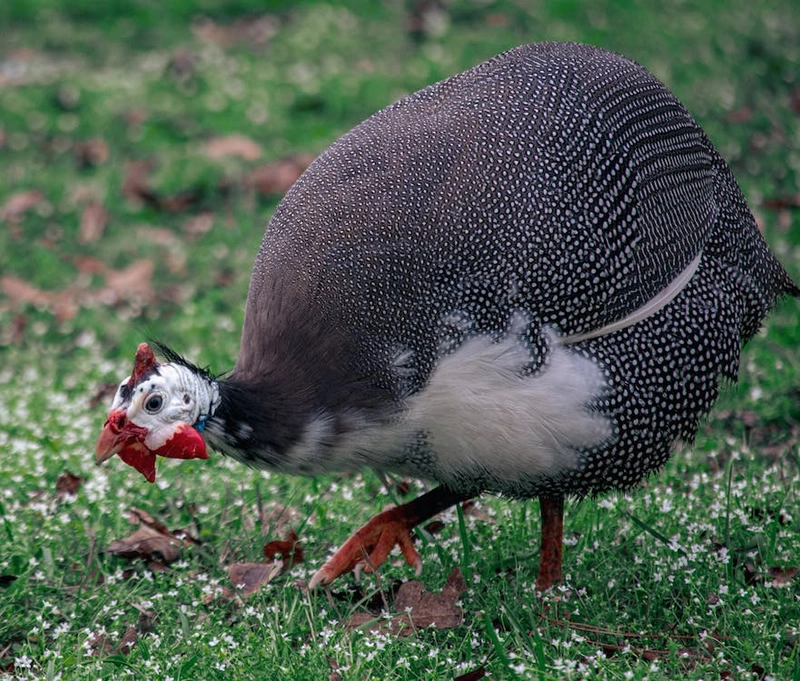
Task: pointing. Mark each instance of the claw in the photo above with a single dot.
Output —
(369, 548)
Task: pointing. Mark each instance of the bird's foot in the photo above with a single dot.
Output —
(370, 546)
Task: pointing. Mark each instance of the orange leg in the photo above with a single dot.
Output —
(372, 544)
(552, 511)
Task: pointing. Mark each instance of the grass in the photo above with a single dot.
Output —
(678, 579)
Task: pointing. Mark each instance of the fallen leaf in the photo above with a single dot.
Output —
(132, 284)
(741, 115)
(99, 644)
(278, 177)
(145, 623)
(289, 550)
(19, 204)
(138, 516)
(233, 145)
(250, 577)
(93, 223)
(134, 118)
(147, 543)
(418, 609)
(782, 202)
(14, 333)
(151, 541)
(136, 187)
(474, 675)
(67, 484)
(128, 640)
(429, 609)
(91, 153)
(63, 304)
(182, 65)
(255, 30)
(136, 183)
(199, 224)
(782, 576)
(133, 281)
(22, 292)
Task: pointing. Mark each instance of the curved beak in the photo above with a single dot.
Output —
(123, 437)
(117, 432)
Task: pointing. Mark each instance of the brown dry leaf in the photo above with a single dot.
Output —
(147, 543)
(782, 202)
(128, 640)
(14, 333)
(136, 187)
(151, 541)
(182, 65)
(429, 609)
(418, 609)
(20, 291)
(91, 153)
(474, 675)
(179, 202)
(198, 225)
(138, 516)
(782, 576)
(250, 577)
(20, 203)
(100, 644)
(276, 178)
(132, 283)
(63, 304)
(134, 118)
(255, 30)
(233, 145)
(67, 484)
(289, 550)
(136, 183)
(741, 115)
(187, 536)
(146, 622)
(93, 223)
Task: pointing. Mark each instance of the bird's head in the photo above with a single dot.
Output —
(160, 409)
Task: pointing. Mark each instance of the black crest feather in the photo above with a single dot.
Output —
(175, 358)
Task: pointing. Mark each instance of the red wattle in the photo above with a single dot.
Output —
(185, 443)
(142, 459)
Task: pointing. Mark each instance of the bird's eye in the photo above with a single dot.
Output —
(154, 403)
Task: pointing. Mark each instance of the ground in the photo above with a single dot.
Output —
(143, 147)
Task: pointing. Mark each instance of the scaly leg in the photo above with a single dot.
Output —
(375, 540)
(552, 511)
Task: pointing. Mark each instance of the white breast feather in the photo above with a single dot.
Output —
(482, 415)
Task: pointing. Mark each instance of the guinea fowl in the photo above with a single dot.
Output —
(528, 279)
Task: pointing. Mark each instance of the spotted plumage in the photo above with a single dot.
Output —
(527, 279)
(556, 180)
